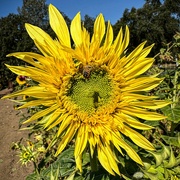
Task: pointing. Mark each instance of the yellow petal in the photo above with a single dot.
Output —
(79, 162)
(103, 159)
(99, 29)
(153, 104)
(109, 36)
(42, 113)
(135, 53)
(76, 30)
(45, 102)
(138, 139)
(67, 138)
(63, 118)
(134, 96)
(132, 122)
(65, 123)
(36, 74)
(35, 91)
(43, 39)
(81, 140)
(111, 158)
(59, 26)
(138, 68)
(54, 116)
(130, 151)
(142, 113)
(118, 40)
(142, 84)
(124, 43)
(28, 57)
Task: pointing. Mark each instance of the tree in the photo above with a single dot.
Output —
(174, 7)
(13, 38)
(34, 12)
(154, 22)
(88, 23)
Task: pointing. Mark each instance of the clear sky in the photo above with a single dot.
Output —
(111, 9)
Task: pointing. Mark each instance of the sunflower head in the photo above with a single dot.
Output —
(93, 92)
(21, 79)
(27, 154)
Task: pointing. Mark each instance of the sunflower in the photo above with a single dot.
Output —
(92, 92)
(21, 79)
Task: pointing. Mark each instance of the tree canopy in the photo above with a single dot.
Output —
(34, 12)
(13, 38)
(155, 22)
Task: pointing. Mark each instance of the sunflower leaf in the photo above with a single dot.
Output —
(173, 114)
(171, 140)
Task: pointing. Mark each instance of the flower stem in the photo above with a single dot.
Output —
(36, 168)
(94, 161)
(174, 99)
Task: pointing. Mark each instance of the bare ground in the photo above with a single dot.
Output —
(10, 168)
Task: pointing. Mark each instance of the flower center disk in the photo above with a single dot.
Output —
(90, 92)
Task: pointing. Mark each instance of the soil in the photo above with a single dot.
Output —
(10, 168)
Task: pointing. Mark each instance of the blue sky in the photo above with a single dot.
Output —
(111, 9)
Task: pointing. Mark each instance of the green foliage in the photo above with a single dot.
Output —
(14, 37)
(34, 12)
(65, 168)
(166, 164)
(167, 159)
(173, 114)
(154, 22)
(89, 24)
(62, 167)
(175, 140)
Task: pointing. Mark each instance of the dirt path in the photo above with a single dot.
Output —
(10, 168)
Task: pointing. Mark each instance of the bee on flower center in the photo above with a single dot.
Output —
(85, 70)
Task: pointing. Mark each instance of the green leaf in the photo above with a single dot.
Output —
(33, 176)
(138, 175)
(177, 170)
(158, 157)
(71, 177)
(86, 159)
(172, 160)
(173, 114)
(162, 50)
(152, 123)
(171, 140)
(152, 176)
(63, 167)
